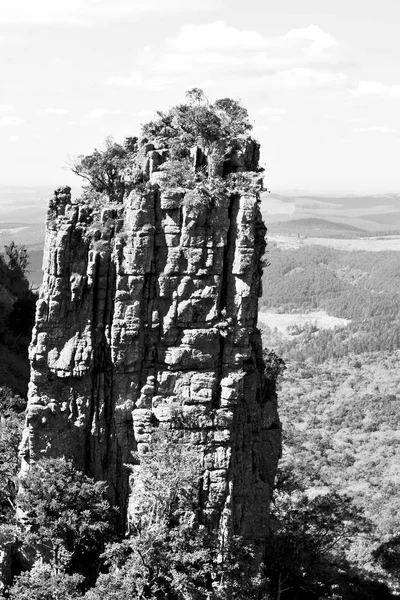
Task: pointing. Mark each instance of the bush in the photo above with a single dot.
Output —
(68, 514)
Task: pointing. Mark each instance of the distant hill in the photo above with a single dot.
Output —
(372, 212)
(27, 204)
(315, 227)
(23, 213)
(385, 219)
(22, 233)
(363, 201)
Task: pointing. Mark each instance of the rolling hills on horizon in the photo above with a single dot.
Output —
(372, 213)
(23, 213)
(316, 227)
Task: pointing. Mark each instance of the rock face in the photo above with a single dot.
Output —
(147, 317)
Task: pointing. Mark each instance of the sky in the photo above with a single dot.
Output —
(320, 79)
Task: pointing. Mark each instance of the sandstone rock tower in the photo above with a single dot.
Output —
(148, 311)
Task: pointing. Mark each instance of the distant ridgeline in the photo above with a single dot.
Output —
(147, 315)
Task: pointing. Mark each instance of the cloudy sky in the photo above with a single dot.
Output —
(320, 78)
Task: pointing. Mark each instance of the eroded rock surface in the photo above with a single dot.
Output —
(148, 316)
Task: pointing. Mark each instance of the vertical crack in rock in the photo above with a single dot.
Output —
(225, 309)
(147, 318)
(101, 415)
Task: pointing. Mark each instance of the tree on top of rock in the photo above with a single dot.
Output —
(108, 170)
(199, 123)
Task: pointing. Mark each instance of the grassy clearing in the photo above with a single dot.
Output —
(372, 244)
(284, 320)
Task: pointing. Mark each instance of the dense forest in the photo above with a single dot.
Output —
(339, 393)
(341, 426)
(361, 286)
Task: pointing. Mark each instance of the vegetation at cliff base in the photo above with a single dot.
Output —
(67, 533)
(168, 554)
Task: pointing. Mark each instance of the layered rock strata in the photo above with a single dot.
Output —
(147, 317)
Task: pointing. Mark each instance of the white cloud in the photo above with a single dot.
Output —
(144, 113)
(310, 78)
(320, 40)
(10, 120)
(6, 108)
(300, 79)
(270, 111)
(98, 113)
(225, 62)
(273, 114)
(127, 8)
(377, 129)
(55, 111)
(220, 36)
(376, 88)
(136, 80)
(13, 138)
(85, 12)
(217, 36)
(302, 58)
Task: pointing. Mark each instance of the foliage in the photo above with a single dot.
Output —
(17, 311)
(217, 128)
(340, 421)
(234, 118)
(179, 173)
(11, 425)
(215, 131)
(361, 286)
(161, 563)
(310, 534)
(68, 515)
(387, 555)
(339, 416)
(43, 583)
(169, 554)
(109, 170)
(274, 365)
(10, 404)
(17, 259)
(165, 481)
